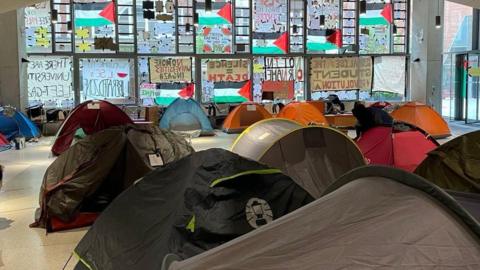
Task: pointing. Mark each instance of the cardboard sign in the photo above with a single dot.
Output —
(50, 80)
(340, 73)
(232, 70)
(165, 70)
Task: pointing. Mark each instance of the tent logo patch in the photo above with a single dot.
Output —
(258, 212)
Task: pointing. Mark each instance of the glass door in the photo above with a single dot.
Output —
(472, 98)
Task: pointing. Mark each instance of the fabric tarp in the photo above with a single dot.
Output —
(313, 156)
(185, 208)
(373, 219)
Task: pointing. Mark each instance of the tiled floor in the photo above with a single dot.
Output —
(23, 248)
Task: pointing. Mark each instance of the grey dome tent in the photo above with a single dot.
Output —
(313, 156)
(371, 218)
(455, 167)
(185, 208)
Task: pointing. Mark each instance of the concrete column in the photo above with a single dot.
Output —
(13, 77)
(426, 49)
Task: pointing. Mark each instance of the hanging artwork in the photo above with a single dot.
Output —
(37, 28)
(50, 81)
(157, 34)
(105, 79)
(375, 27)
(164, 70)
(95, 26)
(270, 34)
(323, 18)
(232, 70)
(278, 77)
(340, 73)
(389, 74)
(214, 31)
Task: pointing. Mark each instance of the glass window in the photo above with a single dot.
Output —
(224, 79)
(323, 26)
(95, 26)
(270, 34)
(163, 79)
(214, 30)
(156, 29)
(457, 37)
(107, 79)
(49, 80)
(38, 30)
(375, 27)
(278, 78)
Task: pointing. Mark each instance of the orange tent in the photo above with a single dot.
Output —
(424, 117)
(304, 113)
(243, 116)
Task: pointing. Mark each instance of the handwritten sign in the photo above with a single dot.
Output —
(216, 39)
(105, 79)
(281, 69)
(234, 70)
(341, 73)
(164, 70)
(37, 15)
(50, 81)
(149, 90)
(270, 16)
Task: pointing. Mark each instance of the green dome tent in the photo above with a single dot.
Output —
(455, 167)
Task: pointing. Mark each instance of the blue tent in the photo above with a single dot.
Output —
(186, 115)
(18, 125)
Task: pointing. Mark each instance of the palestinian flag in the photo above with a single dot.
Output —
(377, 14)
(324, 40)
(270, 43)
(222, 15)
(231, 92)
(94, 14)
(169, 92)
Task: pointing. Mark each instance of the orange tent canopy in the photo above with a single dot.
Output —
(424, 117)
(243, 116)
(304, 113)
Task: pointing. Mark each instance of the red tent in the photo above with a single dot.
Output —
(392, 147)
(381, 104)
(4, 143)
(91, 116)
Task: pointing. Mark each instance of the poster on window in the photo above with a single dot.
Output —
(389, 74)
(105, 79)
(164, 70)
(340, 73)
(235, 70)
(49, 81)
(270, 27)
